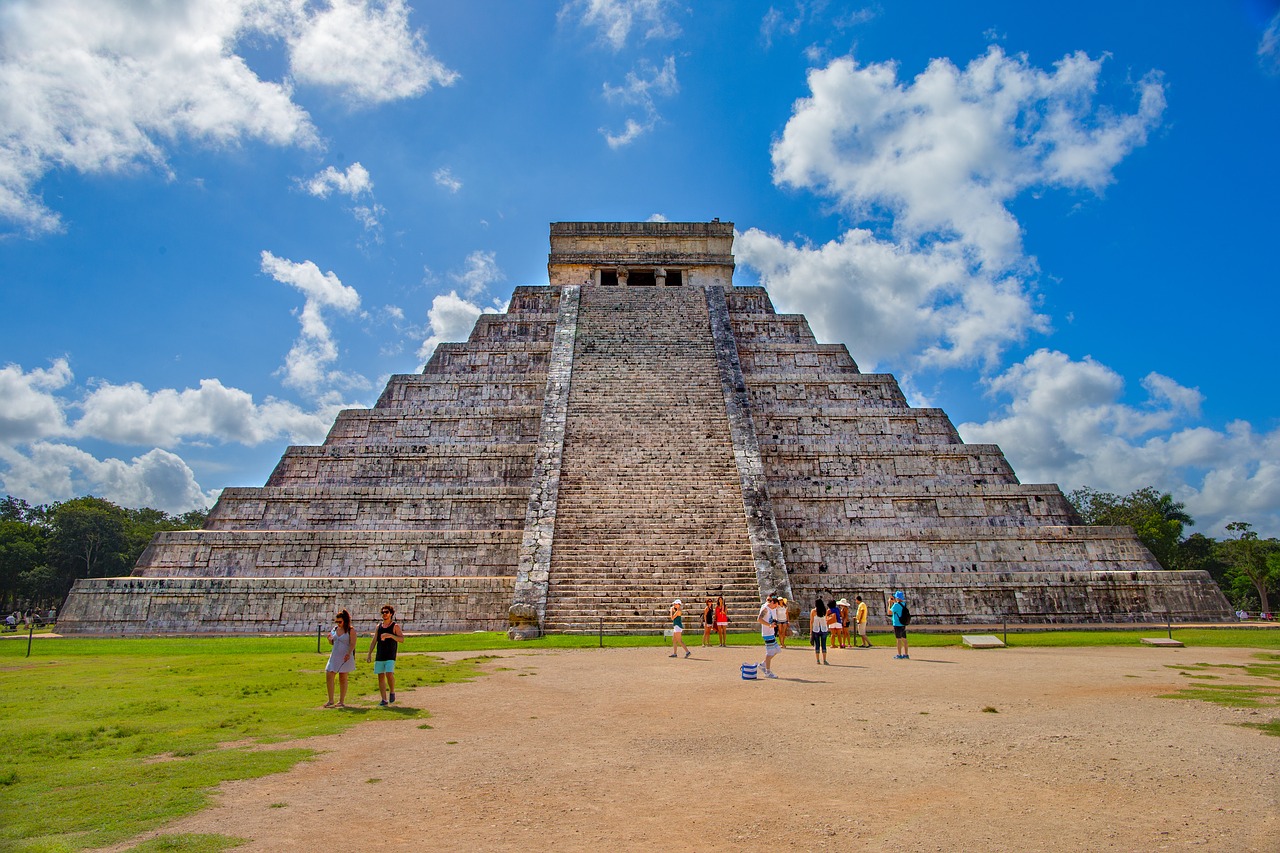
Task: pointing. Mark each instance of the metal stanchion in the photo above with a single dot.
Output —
(319, 632)
(602, 632)
(31, 631)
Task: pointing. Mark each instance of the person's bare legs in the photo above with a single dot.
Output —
(328, 679)
(342, 690)
(723, 631)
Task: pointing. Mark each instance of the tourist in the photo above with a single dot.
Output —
(769, 633)
(782, 621)
(722, 621)
(860, 618)
(899, 629)
(386, 641)
(677, 629)
(833, 619)
(708, 621)
(843, 604)
(342, 660)
(818, 631)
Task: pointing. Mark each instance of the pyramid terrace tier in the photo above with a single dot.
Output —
(405, 465)
(330, 553)
(931, 547)
(944, 465)
(809, 392)
(509, 357)
(1067, 596)
(765, 358)
(452, 424)
(282, 605)
(809, 508)
(462, 506)
(856, 425)
(411, 390)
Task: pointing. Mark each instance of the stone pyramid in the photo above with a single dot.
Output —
(637, 430)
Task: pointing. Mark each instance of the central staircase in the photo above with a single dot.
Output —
(650, 503)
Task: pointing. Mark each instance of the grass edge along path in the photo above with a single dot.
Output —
(116, 737)
(120, 736)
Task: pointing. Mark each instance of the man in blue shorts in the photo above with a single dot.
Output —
(899, 629)
(386, 642)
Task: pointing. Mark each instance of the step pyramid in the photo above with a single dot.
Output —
(638, 430)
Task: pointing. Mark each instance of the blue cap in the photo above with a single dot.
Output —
(899, 596)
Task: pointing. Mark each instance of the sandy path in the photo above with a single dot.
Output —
(628, 749)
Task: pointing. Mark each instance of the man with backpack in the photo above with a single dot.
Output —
(901, 618)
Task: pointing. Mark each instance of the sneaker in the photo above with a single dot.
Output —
(897, 657)
(673, 654)
(688, 654)
(906, 657)
(383, 703)
(393, 699)
(768, 674)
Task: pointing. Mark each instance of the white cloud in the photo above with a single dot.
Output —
(615, 20)
(364, 49)
(945, 153)
(103, 86)
(307, 364)
(131, 414)
(639, 91)
(915, 306)
(53, 472)
(939, 159)
(481, 270)
(1066, 422)
(28, 409)
(444, 177)
(1269, 46)
(450, 318)
(354, 182)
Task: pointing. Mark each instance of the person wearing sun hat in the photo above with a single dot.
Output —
(677, 629)
(899, 627)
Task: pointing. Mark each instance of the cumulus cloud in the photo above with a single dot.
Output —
(616, 21)
(944, 154)
(934, 163)
(54, 472)
(639, 91)
(363, 49)
(1066, 421)
(38, 419)
(307, 364)
(28, 407)
(918, 306)
(450, 318)
(444, 177)
(131, 414)
(354, 182)
(103, 86)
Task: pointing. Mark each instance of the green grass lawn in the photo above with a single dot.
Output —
(108, 738)
(113, 737)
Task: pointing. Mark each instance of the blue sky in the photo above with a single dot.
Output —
(224, 221)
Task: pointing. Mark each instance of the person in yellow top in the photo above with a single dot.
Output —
(861, 619)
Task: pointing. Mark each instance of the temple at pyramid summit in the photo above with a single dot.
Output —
(636, 430)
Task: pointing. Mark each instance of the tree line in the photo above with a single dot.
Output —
(1245, 567)
(46, 548)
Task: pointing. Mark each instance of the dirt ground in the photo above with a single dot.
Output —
(627, 749)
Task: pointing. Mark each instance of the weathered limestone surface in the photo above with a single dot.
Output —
(871, 495)
(637, 431)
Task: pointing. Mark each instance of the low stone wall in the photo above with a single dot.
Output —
(144, 606)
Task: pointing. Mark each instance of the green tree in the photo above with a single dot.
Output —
(1156, 518)
(1254, 563)
(88, 538)
(22, 550)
